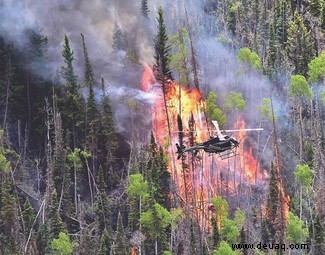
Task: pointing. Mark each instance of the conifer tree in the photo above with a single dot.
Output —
(73, 103)
(144, 8)
(56, 224)
(92, 114)
(28, 216)
(215, 233)
(121, 244)
(319, 236)
(9, 231)
(43, 239)
(108, 137)
(67, 71)
(102, 212)
(119, 40)
(105, 243)
(300, 48)
(162, 59)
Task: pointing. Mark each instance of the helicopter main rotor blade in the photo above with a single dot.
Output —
(244, 129)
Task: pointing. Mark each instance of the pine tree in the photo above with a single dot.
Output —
(43, 239)
(105, 244)
(300, 48)
(119, 40)
(102, 212)
(73, 103)
(56, 224)
(92, 113)
(144, 8)
(9, 232)
(108, 137)
(67, 71)
(28, 216)
(215, 233)
(162, 50)
(319, 236)
(162, 59)
(121, 244)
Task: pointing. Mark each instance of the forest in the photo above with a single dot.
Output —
(95, 95)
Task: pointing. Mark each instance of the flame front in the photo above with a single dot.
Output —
(206, 175)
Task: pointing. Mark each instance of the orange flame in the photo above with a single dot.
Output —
(209, 176)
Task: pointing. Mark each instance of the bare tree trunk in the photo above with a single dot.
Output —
(300, 134)
(8, 92)
(194, 62)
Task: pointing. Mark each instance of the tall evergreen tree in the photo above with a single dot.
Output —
(108, 138)
(121, 244)
(105, 244)
(73, 103)
(43, 239)
(119, 39)
(56, 224)
(300, 48)
(102, 212)
(144, 8)
(67, 71)
(92, 113)
(161, 66)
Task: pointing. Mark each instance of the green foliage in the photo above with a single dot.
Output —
(296, 232)
(63, 245)
(229, 231)
(299, 87)
(250, 57)
(167, 253)
(178, 60)
(177, 216)
(137, 187)
(156, 220)
(240, 218)
(74, 158)
(265, 108)
(304, 175)
(4, 164)
(317, 68)
(215, 113)
(222, 209)
(235, 101)
(224, 249)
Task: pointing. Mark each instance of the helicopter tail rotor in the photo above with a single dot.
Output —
(180, 150)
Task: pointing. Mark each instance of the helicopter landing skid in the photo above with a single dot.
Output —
(228, 154)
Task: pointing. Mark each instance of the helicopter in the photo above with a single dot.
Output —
(223, 145)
